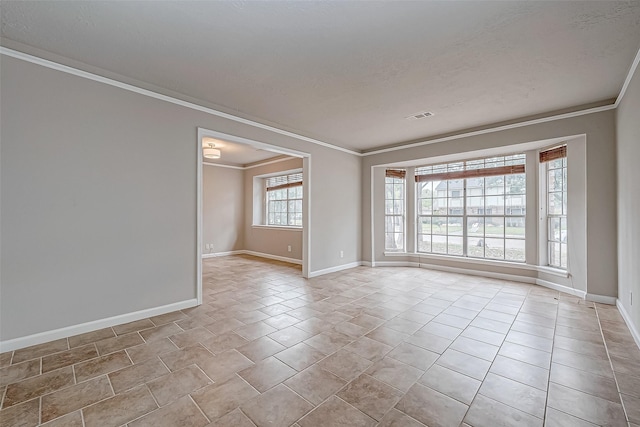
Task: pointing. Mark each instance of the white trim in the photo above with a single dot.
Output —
(221, 254)
(257, 165)
(561, 288)
(97, 78)
(223, 166)
(627, 319)
(334, 269)
(276, 257)
(199, 214)
(630, 74)
(396, 264)
(42, 337)
(602, 299)
(494, 129)
(277, 227)
(90, 76)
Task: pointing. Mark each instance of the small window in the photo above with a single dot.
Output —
(284, 200)
(394, 210)
(556, 203)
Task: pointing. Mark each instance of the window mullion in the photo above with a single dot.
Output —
(464, 218)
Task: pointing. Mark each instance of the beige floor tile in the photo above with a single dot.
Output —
(497, 315)
(387, 336)
(475, 348)
(585, 406)
(267, 373)
(432, 408)
(413, 355)
(73, 419)
(101, 365)
(184, 357)
(486, 412)
(368, 348)
(254, 330)
(349, 329)
(395, 418)
(517, 395)
(451, 383)
(583, 362)
(170, 387)
(315, 384)
(39, 350)
(395, 373)
(37, 386)
(26, 414)
(225, 365)
(76, 397)
(345, 364)
(526, 354)
(234, 418)
(160, 332)
(19, 371)
(632, 407)
(278, 407)
(137, 374)
(465, 364)
(191, 337)
(69, 357)
(625, 366)
(582, 347)
(629, 384)
(429, 341)
(134, 326)
(119, 409)
(150, 350)
(520, 371)
(440, 330)
(329, 341)
(555, 418)
(167, 318)
(182, 412)
(91, 337)
(220, 399)
(604, 387)
(367, 321)
(300, 356)
(529, 340)
(121, 342)
(371, 396)
(290, 336)
(224, 325)
(281, 321)
(335, 412)
(403, 325)
(260, 348)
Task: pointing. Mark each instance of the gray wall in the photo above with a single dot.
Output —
(269, 240)
(628, 131)
(99, 199)
(222, 209)
(599, 128)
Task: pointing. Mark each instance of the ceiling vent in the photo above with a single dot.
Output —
(421, 115)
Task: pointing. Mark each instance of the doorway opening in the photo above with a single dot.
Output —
(252, 198)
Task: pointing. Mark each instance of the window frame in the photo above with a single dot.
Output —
(465, 171)
(287, 182)
(396, 177)
(552, 241)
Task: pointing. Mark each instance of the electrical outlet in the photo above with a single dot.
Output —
(341, 254)
(206, 246)
(289, 248)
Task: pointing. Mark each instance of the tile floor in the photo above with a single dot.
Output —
(364, 347)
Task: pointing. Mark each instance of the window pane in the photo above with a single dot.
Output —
(554, 229)
(454, 246)
(424, 243)
(554, 254)
(494, 227)
(440, 206)
(516, 205)
(555, 203)
(563, 255)
(439, 244)
(475, 226)
(425, 205)
(475, 205)
(494, 184)
(439, 225)
(516, 184)
(494, 248)
(454, 227)
(475, 247)
(514, 250)
(424, 225)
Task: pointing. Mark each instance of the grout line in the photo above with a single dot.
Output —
(615, 378)
(199, 409)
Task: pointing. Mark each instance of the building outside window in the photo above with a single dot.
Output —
(284, 200)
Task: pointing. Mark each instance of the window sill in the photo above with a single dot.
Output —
(277, 227)
(553, 271)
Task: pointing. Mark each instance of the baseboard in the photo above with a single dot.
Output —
(69, 331)
(276, 257)
(396, 264)
(562, 288)
(602, 299)
(627, 319)
(367, 264)
(219, 254)
(334, 269)
(491, 274)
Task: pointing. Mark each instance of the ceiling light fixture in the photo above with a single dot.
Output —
(209, 150)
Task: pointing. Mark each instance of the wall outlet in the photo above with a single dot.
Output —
(341, 254)
(289, 248)
(206, 246)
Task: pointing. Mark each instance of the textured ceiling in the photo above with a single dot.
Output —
(236, 154)
(347, 72)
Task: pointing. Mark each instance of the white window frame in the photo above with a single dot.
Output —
(556, 240)
(288, 177)
(395, 216)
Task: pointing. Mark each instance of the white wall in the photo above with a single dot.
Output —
(269, 240)
(628, 154)
(222, 209)
(601, 241)
(98, 199)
